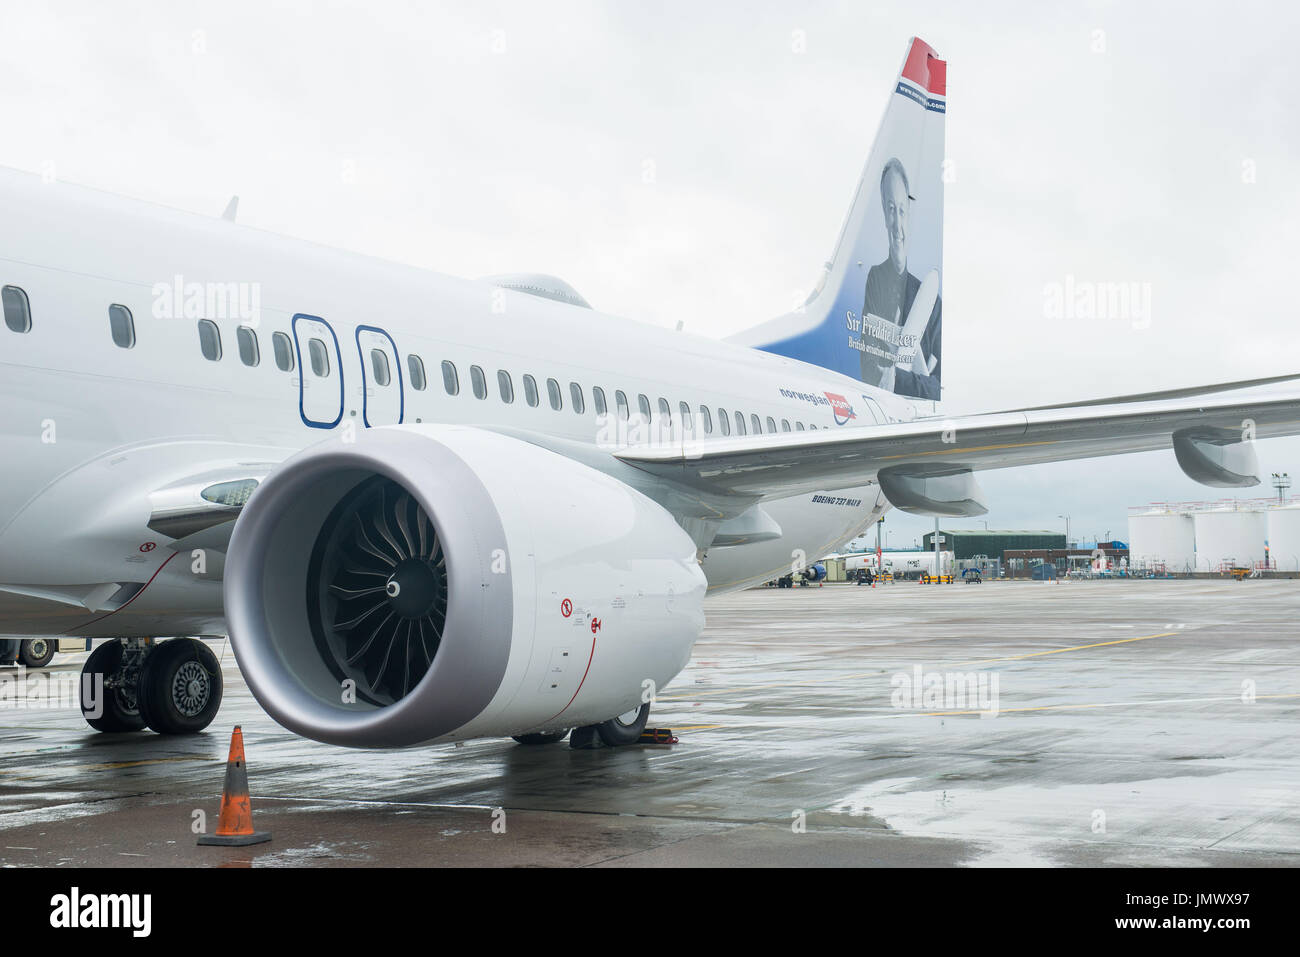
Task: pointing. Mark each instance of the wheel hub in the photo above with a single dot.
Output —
(190, 689)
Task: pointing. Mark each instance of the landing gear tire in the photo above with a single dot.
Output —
(110, 706)
(626, 728)
(180, 687)
(542, 737)
(37, 652)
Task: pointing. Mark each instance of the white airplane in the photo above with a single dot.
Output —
(427, 509)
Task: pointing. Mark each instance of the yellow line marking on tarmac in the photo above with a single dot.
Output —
(1061, 651)
(114, 765)
(698, 727)
(893, 715)
(117, 765)
(1096, 704)
(882, 671)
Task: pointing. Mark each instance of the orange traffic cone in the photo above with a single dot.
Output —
(235, 825)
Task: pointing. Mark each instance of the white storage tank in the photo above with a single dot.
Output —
(1230, 536)
(1284, 538)
(1161, 537)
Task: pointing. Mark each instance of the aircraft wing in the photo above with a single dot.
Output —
(928, 463)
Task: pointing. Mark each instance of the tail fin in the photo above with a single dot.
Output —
(876, 314)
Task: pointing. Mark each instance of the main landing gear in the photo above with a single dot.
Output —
(173, 687)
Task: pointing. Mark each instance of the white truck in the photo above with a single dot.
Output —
(901, 564)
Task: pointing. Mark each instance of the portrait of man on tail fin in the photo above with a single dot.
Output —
(901, 314)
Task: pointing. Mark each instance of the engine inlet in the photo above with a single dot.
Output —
(377, 591)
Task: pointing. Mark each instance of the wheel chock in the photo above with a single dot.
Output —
(235, 824)
(657, 736)
(585, 738)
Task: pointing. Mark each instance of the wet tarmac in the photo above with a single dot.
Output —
(1138, 723)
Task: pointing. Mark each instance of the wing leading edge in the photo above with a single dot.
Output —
(776, 466)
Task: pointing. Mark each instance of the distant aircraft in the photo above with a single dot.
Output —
(429, 509)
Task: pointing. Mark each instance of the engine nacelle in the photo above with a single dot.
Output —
(1217, 457)
(430, 583)
(941, 490)
(814, 573)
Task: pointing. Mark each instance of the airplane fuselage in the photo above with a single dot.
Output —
(97, 419)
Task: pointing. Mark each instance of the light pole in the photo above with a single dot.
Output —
(1281, 482)
(938, 570)
(1067, 529)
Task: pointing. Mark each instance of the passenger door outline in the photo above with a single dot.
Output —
(395, 360)
(873, 407)
(304, 370)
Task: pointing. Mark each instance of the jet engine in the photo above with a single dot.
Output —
(814, 573)
(425, 583)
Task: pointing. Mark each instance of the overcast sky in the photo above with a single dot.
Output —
(1142, 143)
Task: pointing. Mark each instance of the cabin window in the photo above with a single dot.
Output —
(479, 381)
(530, 391)
(771, 424)
(246, 339)
(575, 393)
(379, 365)
(799, 426)
(18, 312)
(506, 386)
(785, 425)
(283, 350)
(415, 366)
(555, 395)
(724, 422)
(122, 326)
(319, 356)
(450, 378)
(666, 412)
(210, 340)
(740, 423)
(620, 400)
(643, 404)
(708, 419)
(598, 399)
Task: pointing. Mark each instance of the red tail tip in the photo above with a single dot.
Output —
(924, 68)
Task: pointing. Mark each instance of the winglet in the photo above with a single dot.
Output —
(232, 208)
